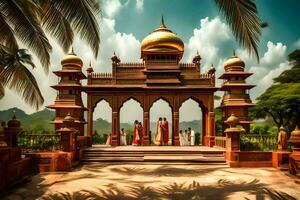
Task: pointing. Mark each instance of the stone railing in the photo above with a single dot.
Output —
(220, 142)
(38, 142)
(131, 65)
(206, 76)
(186, 65)
(251, 142)
(100, 75)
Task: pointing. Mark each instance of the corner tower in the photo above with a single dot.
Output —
(68, 100)
(236, 99)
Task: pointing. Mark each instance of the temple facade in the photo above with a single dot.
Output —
(159, 75)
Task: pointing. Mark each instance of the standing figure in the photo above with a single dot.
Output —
(136, 136)
(181, 139)
(282, 139)
(123, 137)
(140, 130)
(108, 140)
(189, 136)
(159, 132)
(192, 137)
(166, 132)
(186, 138)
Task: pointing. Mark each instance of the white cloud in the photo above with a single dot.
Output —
(111, 7)
(139, 5)
(274, 54)
(210, 39)
(297, 43)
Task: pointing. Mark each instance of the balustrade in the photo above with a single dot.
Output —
(251, 142)
(38, 142)
(220, 142)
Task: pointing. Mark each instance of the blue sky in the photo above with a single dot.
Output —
(182, 16)
(124, 23)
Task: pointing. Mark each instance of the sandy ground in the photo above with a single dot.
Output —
(167, 181)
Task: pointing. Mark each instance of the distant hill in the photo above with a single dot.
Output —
(40, 121)
(34, 122)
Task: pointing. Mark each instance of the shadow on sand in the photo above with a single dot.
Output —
(221, 190)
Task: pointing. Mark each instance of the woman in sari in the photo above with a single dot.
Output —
(136, 137)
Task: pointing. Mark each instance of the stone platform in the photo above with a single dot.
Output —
(154, 154)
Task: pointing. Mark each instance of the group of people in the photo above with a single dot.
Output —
(162, 132)
(137, 133)
(161, 138)
(187, 138)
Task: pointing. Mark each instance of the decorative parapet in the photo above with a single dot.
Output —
(186, 65)
(131, 65)
(100, 75)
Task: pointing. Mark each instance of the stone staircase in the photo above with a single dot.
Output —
(197, 155)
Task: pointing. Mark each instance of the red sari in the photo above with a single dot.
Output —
(140, 130)
(136, 137)
(166, 132)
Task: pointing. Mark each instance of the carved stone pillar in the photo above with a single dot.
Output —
(175, 128)
(210, 131)
(146, 138)
(115, 128)
(90, 122)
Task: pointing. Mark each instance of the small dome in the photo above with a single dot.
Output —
(234, 63)
(232, 121)
(14, 122)
(69, 118)
(71, 59)
(295, 135)
(162, 38)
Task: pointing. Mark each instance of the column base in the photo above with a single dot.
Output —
(279, 158)
(146, 141)
(114, 141)
(209, 141)
(176, 141)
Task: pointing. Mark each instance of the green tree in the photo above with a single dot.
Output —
(281, 101)
(26, 22)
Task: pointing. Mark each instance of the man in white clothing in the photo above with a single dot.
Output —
(192, 137)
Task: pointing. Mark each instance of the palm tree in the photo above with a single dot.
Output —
(25, 22)
(242, 17)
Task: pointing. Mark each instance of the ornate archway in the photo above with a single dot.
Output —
(160, 75)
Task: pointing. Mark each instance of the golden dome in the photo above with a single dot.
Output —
(234, 63)
(162, 38)
(71, 59)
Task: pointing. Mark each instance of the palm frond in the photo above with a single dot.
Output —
(57, 25)
(22, 15)
(15, 75)
(2, 90)
(81, 15)
(242, 17)
(7, 37)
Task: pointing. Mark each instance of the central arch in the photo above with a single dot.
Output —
(160, 108)
(130, 111)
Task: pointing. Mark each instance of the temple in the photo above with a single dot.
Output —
(160, 75)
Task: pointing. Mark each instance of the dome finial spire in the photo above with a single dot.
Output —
(162, 23)
(234, 52)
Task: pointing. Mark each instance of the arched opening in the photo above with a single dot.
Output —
(102, 119)
(160, 109)
(130, 111)
(190, 123)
